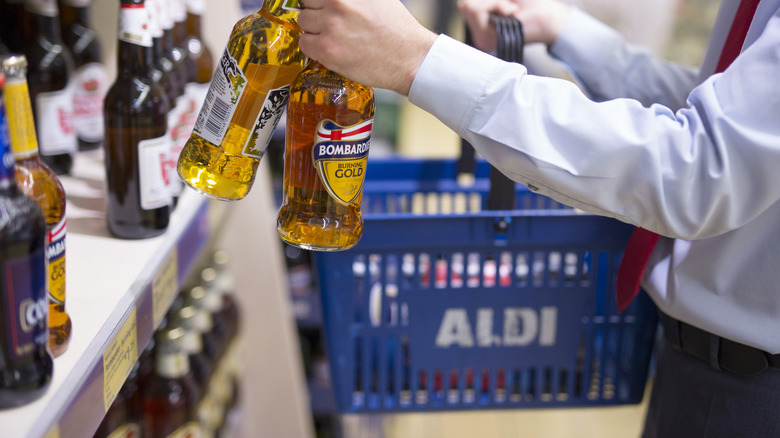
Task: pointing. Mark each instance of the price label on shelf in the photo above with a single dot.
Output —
(118, 359)
(165, 286)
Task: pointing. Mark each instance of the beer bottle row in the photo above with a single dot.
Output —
(186, 380)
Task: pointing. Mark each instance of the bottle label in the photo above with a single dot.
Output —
(47, 8)
(292, 5)
(154, 171)
(21, 124)
(267, 119)
(24, 293)
(188, 430)
(134, 25)
(127, 430)
(177, 121)
(340, 154)
(225, 91)
(91, 84)
(7, 166)
(57, 134)
(196, 7)
(55, 254)
(178, 10)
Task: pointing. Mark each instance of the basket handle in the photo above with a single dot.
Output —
(510, 44)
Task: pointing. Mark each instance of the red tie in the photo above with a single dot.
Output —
(641, 243)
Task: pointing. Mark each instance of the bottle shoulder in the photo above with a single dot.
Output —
(134, 95)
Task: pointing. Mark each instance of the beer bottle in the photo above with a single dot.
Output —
(210, 412)
(197, 51)
(40, 184)
(90, 79)
(26, 365)
(329, 120)
(179, 15)
(136, 144)
(50, 72)
(246, 99)
(166, 73)
(171, 395)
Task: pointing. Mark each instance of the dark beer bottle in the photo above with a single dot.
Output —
(171, 394)
(40, 184)
(90, 80)
(136, 144)
(196, 49)
(166, 74)
(50, 71)
(26, 366)
(122, 420)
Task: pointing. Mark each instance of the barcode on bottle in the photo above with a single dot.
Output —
(227, 86)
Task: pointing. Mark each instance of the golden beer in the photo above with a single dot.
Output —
(329, 121)
(246, 99)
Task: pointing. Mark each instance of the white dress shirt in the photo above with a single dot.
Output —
(685, 153)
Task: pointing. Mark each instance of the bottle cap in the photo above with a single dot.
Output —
(14, 65)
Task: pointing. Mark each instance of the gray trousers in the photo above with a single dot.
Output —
(690, 399)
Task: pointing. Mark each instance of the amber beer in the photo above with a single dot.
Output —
(245, 101)
(329, 121)
(40, 184)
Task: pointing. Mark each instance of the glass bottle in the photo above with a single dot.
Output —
(329, 121)
(246, 99)
(171, 395)
(210, 412)
(167, 74)
(90, 79)
(196, 49)
(136, 143)
(179, 31)
(26, 366)
(49, 77)
(40, 184)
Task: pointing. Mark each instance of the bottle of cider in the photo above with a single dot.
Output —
(246, 99)
(136, 144)
(329, 121)
(50, 72)
(26, 365)
(90, 80)
(40, 184)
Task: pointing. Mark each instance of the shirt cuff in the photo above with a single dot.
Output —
(451, 80)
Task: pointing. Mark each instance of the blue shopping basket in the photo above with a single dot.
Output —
(443, 305)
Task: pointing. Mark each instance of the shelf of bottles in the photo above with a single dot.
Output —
(119, 292)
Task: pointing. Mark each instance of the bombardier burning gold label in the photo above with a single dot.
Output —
(340, 155)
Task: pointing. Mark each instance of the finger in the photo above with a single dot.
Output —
(310, 21)
(312, 4)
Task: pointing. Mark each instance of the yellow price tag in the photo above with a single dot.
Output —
(165, 286)
(118, 359)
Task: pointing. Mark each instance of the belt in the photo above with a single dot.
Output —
(721, 353)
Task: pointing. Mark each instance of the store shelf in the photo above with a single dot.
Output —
(117, 293)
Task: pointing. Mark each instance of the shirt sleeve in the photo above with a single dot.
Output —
(694, 173)
(607, 67)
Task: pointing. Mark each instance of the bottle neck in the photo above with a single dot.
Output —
(134, 54)
(172, 365)
(194, 25)
(21, 126)
(71, 15)
(134, 59)
(283, 9)
(46, 26)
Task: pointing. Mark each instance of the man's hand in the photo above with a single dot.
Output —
(542, 20)
(375, 42)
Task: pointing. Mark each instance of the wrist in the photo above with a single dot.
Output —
(419, 47)
(558, 14)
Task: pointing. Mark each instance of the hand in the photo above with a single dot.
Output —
(375, 42)
(542, 20)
